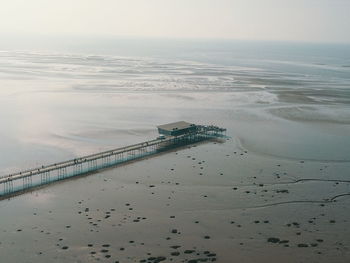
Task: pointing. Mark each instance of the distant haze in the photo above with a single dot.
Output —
(291, 20)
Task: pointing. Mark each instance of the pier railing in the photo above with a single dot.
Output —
(45, 174)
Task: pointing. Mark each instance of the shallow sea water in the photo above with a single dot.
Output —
(284, 172)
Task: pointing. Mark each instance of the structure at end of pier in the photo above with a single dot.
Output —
(182, 128)
(176, 128)
(171, 135)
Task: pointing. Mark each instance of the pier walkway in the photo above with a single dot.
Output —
(24, 180)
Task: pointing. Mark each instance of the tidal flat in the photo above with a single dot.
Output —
(208, 202)
(276, 190)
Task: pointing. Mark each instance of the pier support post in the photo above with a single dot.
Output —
(8, 186)
(27, 182)
(61, 173)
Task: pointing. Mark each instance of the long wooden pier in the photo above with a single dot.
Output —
(45, 174)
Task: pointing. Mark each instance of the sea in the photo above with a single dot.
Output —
(68, 97)
(275, 190)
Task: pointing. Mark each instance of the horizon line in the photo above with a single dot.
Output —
(32, 36)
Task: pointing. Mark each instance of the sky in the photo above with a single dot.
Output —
(282, 20)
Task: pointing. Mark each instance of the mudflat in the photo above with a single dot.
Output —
(277, 190)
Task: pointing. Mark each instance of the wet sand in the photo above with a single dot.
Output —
(277, 191)
(209, 202)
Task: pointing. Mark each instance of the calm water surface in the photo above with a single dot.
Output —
(286, 107)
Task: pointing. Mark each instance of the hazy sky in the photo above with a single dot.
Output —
(296, 20)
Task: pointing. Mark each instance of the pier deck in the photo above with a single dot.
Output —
(45, 174)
